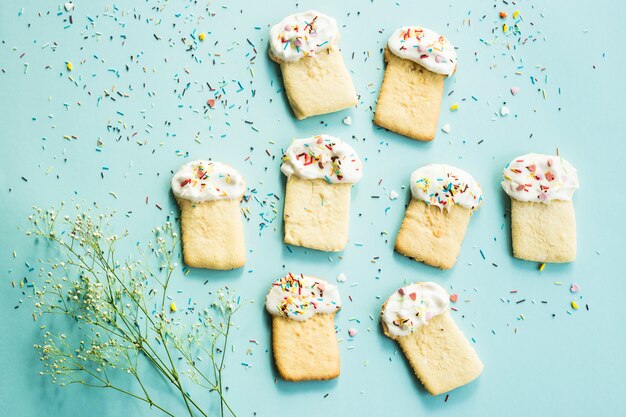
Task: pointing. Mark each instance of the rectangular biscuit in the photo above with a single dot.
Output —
(410, 98)
(212, 234)
(431, 235)
(306, 350)
(543, 232)
(317, 214)
(440, 355)
(318, 84)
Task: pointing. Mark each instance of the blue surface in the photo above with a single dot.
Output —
(541, 359)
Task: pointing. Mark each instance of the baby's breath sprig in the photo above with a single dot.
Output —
(120, 322)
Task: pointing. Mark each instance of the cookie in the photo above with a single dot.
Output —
(306, 45)
(303, 329)
(443, 200)
(417, 62)
(417, 317)
(320, 172)
(208, 194)
(543, 223)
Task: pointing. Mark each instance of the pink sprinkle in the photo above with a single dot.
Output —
(401, 291)
(514, 90)
(550, 162)
(520, 187)
(532, 167)
(550, 176)
(574, 288)
(352, 332)
(421, 48)
(320, 140)
(287, 28)
(454, 298)
(543, 196)
(438, 58)
(298, 42)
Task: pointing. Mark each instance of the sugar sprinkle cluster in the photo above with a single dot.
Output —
(299, 297)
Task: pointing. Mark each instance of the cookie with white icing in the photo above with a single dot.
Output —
(418, 60)
(208, 194)
(543, 223)
(306, 45)
(303, 329)
(443, 200)
(418, 318)
(320, 173)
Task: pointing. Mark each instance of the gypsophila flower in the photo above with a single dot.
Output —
(107, 298)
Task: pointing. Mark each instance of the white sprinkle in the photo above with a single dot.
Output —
(393, 195)
(341, 277)
(446, 128)
(504, 111)
(347, 120)
(69, 6)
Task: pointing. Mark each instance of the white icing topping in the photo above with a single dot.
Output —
(207, 180)
(444, 186)
(413, 306)
(540, 178)
(429, 49)
(322, 157)
(301, 35)
(298, 297)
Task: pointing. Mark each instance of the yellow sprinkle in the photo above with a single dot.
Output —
(454, 107)
(505, 28)
(515, 14)
(201, 36)
(541, 267)
(173, 307)
(69, 65)
(574, 305)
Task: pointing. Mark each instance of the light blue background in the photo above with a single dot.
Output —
(569, 364)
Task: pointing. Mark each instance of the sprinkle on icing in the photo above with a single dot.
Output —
(429, 49)
(207, 180)
(302, 35)
(540, 178)
(445, 186)
(413, 306)
(298, 297)
(323, 157)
